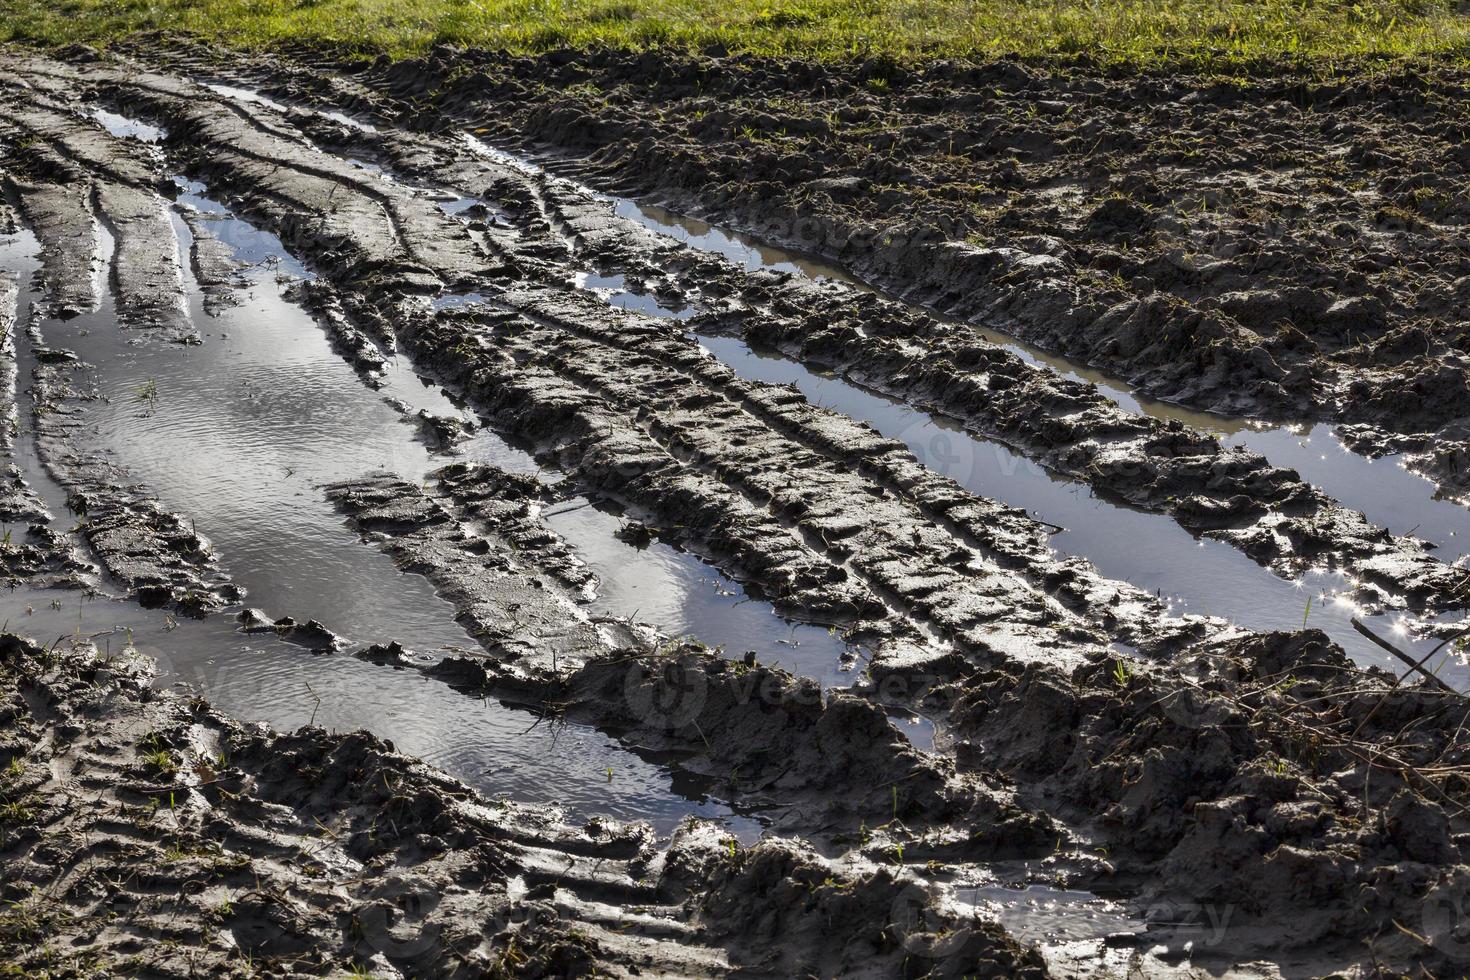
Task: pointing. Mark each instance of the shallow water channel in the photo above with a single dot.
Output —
(1196, 575)
(241, 434)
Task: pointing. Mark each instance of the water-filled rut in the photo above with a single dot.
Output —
(239, 432)
(584, 501)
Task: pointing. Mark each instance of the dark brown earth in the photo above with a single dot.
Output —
(889, 238)
(1313, 810)
(1291, 247)
(143, 834)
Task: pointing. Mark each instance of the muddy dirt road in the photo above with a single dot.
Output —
(724, 590)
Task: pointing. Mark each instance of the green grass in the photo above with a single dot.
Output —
(1197, 33)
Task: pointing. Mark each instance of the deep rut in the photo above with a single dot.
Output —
(470, 324)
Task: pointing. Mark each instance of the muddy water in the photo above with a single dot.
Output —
(1389, 494)
(682, 595)
(1197, 576)
(228, 442)
(1384, 490)
(1151, 551)
(659, 584)
(493, 748)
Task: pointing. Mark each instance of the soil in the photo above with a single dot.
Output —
(1292, 247)
(1242, 801)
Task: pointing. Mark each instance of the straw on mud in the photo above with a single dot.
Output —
(1416, 665)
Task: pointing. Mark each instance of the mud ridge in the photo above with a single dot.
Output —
(62, 149)
(763, 737)
(1232, 494)
(152, 553)
(1172, 263)
(308, 853)
(1261, 776)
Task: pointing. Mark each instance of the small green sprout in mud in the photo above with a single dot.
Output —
(161, 762)
(17, 812)
(22, 921)
(1121, 674)
(898, 853)
(158, 759)
(609, 771)
(176, 854)
(1307, 613)
(148, 394)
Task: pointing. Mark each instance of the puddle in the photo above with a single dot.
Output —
(1389, 494)
(453, 301)
(918, 730)
(745, 251)
(239, 423)
(1196, 576)
(496, 749)
(1046, 915)
(250, 244)
(239, 94)
(1398, 500)
(1385, 490)
(1153, 552)
(615, 292)
(1149, 550)
(123, 126)
(685, 597)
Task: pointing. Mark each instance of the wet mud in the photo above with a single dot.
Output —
(1291, 248)
(208, 846)
(416, 414)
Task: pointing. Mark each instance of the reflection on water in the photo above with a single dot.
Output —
(1384, 490)
(123, 126)
(1388, 494)
(673, 589)
(245, 429)
(744, 250)
(496, 749)
(239, 94)
(1197, 576)
(1149, 550)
